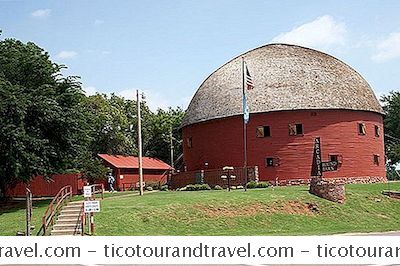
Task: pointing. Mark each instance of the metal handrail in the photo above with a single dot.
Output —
(83, 221)
(52, 210)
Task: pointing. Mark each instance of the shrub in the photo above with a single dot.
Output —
(262, 185)
(154, 184)
(217, 187)
(197, 187)
(190, 187)
(205, 187)
(164, 188)
(149, 188)
(251, 184)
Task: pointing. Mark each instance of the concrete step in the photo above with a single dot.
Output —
(68, 220)
(68, 216)
(66, 227)
(64, 232)
(73, 207)
(70, 211)
(75, 203)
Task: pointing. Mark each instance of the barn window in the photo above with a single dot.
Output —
(269, 161)
(189, 142)
(263, 131)
(361, 129)
(376, 159)
(377, 131)
(333, 158)
(272, 161)
(295, 129)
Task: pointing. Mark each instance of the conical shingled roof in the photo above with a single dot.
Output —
(286, 77)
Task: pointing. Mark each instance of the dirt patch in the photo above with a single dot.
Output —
(382, 216)
(287, 207)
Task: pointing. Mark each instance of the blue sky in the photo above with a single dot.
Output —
(167, 48)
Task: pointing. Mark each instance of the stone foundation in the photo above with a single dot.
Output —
(345, 180)
(332, 190)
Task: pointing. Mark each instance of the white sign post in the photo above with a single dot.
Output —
(87, 191)
(92, 206)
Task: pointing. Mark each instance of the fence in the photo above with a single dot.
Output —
(42, 187)
(212, 177)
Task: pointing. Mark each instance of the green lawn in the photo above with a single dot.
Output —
(271, 211)
(13, 219)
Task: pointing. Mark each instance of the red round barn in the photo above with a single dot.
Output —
(299, 94)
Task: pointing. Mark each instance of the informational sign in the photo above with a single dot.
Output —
(87, 191)
(329, 166)
(317, 163)
(92, 206)
(319, 166)
(121, 177)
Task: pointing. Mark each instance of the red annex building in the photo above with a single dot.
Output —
(299, 94)
(126, 170)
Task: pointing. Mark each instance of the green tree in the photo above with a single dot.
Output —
(391, 106)
(160, 128)
(113, 123)
(42, 127)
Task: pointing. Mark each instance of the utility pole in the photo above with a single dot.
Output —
(171, 147)
(139, 144)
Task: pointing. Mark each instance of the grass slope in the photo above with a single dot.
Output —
(271, 211)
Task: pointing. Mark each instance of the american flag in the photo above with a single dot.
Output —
(249, 80)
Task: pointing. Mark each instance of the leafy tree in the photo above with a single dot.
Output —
(391, 173)
(42, 128)
(93, 169)
(47, 124)
(113, 123)
(391, 106)
(160, 134)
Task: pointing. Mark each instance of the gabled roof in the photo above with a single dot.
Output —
(121, 161)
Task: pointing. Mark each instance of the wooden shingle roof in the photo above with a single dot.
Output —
(286, 77)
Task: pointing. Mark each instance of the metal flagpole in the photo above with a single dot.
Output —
(139, 144)
(244, 128)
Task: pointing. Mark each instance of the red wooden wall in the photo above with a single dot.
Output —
(220, 142)
(131, 176)
(40, 187)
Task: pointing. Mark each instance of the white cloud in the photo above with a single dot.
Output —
(89, 91)
(66, 54)
(321, 33)
(388, 48)
(41, 13)
(98, 22)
